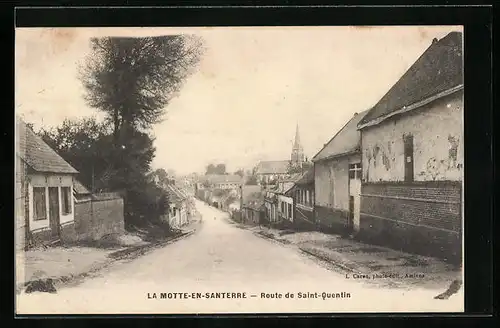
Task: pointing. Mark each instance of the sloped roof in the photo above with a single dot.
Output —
(80, 188)
(223, 178)
(346, 140)
(174, 193)
(437, 70)
(272, 167)
(37, 154)
(306, 178)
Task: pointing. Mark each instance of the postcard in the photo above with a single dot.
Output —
(222, 170)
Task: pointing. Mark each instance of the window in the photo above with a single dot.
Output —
(289, 211)
(355, 171)
(39, 203)
(66, 200)
(307, 197)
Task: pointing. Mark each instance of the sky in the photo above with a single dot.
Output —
(246, 96)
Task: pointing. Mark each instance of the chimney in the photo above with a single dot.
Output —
(434, 40)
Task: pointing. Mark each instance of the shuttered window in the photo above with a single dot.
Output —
(66, 200)
(39, 204)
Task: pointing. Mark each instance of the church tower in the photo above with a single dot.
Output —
(297, 156)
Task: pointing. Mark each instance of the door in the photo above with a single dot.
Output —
(408, 152)
(54, 211)
(355, 172)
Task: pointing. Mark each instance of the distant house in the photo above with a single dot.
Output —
(412, 147)
(178, 215)
(252, 203)
(44, 192)
(220, 181)
(285, 200)
(303, 200)
(337, 179)
(268, 172)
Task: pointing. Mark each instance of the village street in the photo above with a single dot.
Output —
(220, 257)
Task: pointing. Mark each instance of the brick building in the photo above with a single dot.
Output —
(412, 156)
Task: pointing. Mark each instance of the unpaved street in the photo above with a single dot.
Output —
(220, 258)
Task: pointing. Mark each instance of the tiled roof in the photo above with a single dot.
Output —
(272, 167)
(80, 188)
(346, 140)
(37, 154)
(175, 194)
(438, 69)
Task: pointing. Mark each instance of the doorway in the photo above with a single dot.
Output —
(54, 211)
(350, 221)
(355, 171)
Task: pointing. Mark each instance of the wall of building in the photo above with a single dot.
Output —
(330, 219)
(98, 218)
(332, 183)
(437, 132)
(323, 184)
(21, 204)
(421, 218)
(332, 192)
(288, 201)
(425, 215)
(45, 180)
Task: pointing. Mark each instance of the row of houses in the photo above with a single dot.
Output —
(220, 190)
(392, 174)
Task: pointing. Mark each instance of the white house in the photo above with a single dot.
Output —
(44, 192)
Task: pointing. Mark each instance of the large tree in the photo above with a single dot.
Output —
(133, 79)
(216, 169)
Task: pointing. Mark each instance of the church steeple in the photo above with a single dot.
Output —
(297, 156)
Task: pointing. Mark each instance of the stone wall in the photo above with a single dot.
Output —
(97, 218)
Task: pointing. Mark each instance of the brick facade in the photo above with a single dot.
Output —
(422, 218)
(97, 218)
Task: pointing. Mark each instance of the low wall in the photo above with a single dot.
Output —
(418, 218)
(331, 220)
(67, 232)
(303, 218)
(99, 217)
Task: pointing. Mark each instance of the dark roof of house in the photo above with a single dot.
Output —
(307, 178)
(37, 154)
(80, 188)
(272, 167)
(175, 194)
(437, 70)
(346, 140)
